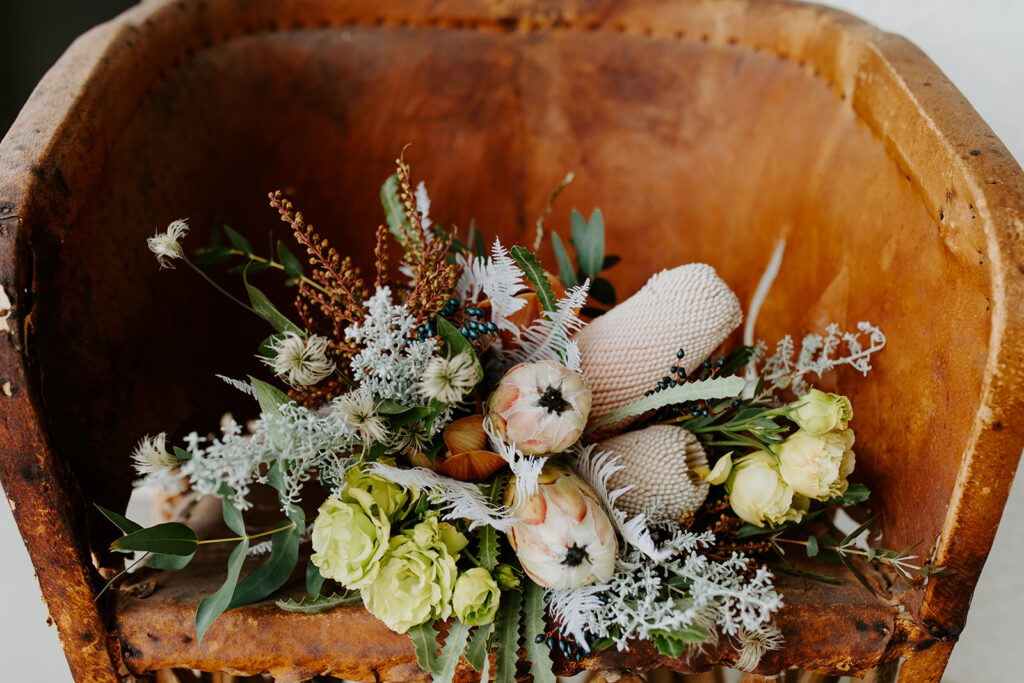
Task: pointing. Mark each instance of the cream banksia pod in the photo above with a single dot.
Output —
(658, 462)
(626, 351)
(540, 407)
(562, 535)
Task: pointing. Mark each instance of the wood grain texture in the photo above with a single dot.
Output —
(704, 130)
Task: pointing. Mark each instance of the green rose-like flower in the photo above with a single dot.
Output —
(350, 538)
(417, 576)
(476, 596)
(819, 413)
(507, 576)
(757, 494)
(394, 499)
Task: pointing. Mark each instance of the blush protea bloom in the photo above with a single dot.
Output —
(562, 535)
(540, 407)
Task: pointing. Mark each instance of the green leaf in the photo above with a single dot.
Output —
(808, 575)
(812, 546)
(454, 646)
(537, 654)
(272, 574)
(182, 454)
(856, 493)
(506, 636)
(853, 535)
(668, 646)
(487, 535)
(268, 311)
(213, 606)
(314, 580)
(719, 387)
(602, 291)
(588, 238)
(425, 645)
(736, 360)
(171, 538)
(477, 649)
(601, 644)
(270, 397)
(323, 603)
(566, 273)
(173, 562)
(126, 525)
(535, 274)
(292, 265)
(249, 268)
(241, 244)
(210, 256)
(609, 261)
(856, 573)
(476, 239)
(229, 511)
(394, 212)
(455, 343)
(266, 347)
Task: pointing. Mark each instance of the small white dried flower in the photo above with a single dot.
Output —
(151, 455)
(300, 362)
(412, 438)
(166, 245)
(448, 380)
(753, 645)
(358, 410)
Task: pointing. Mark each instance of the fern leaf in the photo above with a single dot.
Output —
(549, 335)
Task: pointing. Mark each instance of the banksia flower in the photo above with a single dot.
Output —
(628, 349)
(658, 462)
(562, 535)
(540, 407)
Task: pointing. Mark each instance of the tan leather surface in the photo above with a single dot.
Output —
(705, 131)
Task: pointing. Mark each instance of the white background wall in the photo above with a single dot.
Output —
(980, 46)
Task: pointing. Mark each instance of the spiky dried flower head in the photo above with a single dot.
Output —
(626, 351)
(300, 361)
(658, 464)
(358, 410)
(753, 644)
(167, 245)
(151, 455)
(449, 379)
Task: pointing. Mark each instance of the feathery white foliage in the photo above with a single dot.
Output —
(167, 245)
(151, 455)
(549, 337)
(818, 354)
(526, 468)
(423, 205)
(389, 364)
(499, 278)
(573, 357)
(296, 439)
(244, 387)
(300, 361)
(457, 499)
(753, 645)
(571, 607)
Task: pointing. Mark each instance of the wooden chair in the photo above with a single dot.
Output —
(705, 131)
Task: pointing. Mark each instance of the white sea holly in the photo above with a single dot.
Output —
(448, 380)
(391, 361)
(166, 245)
(358, 410)
(300, 362)
(151, 455)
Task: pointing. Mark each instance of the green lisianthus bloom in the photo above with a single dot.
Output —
(349, 539)
(394, 499)
(417, 576)
(475, 599)
(819, 413)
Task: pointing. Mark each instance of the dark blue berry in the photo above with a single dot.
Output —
(704, 412)
(720, 362)
(674, 369)
(707, 364)
(539, 639)
(491, 327)
(680, 353)
(666, 379)
(473, 334)
(464, 331)
(673, 383)
(550, 642)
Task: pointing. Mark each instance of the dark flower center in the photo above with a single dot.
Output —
(574, 556)
(552, 400)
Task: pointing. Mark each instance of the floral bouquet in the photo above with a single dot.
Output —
(478, 452)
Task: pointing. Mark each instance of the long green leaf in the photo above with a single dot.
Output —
(321, 603)
(268, 311)
(535, 274)
(538, 654)
(158, 561)
(213, 606)
(506, 636)
(425, 645)
(126, 525)
(487, 536)
(292, 265)
(171, 538)
(238, 240)
(719, 387)
(588, 238)
(272, 574)
(394, 212)
(456, 343)
(566, 273)
(314, 580)
(229, 511)
(477, 651)
(454, 646)
(270, 397)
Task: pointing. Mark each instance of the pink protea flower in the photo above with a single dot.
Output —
(562, 535)
(540, 407)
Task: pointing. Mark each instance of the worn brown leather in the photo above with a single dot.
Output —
(705, 131)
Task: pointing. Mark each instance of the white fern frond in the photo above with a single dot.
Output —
(549, 337)
(573, 357)
(571, 609)
(457, 499)
(244, 387)
(526, 469)
(499, 278)
(423, 205)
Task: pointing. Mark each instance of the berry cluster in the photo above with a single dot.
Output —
(472, 329)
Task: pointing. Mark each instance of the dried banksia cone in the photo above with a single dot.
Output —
(629, 349)
(658, 462)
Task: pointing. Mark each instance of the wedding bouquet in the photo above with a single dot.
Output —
(478, 452)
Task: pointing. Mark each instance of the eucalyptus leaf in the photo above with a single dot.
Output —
(566, 273)
(126, 525)
(812, 546)
(169, 562)
(229, 511)
(213, 606)
(314, 580)
(539, 656)
(588, 238)
(322, 603)
(250, 268)
(236, 238)
(272, 574)
(719, 387)
(292, 265)
(831, 580)
(171, 538)
(268, 311)
(210, 256)
(266, 347)
(535, 274)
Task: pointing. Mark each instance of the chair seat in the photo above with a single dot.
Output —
(830, 629)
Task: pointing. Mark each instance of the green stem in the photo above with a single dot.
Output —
(274, 264)
(218, 287)
(249, 537)
(119, 574)
(851, 551)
